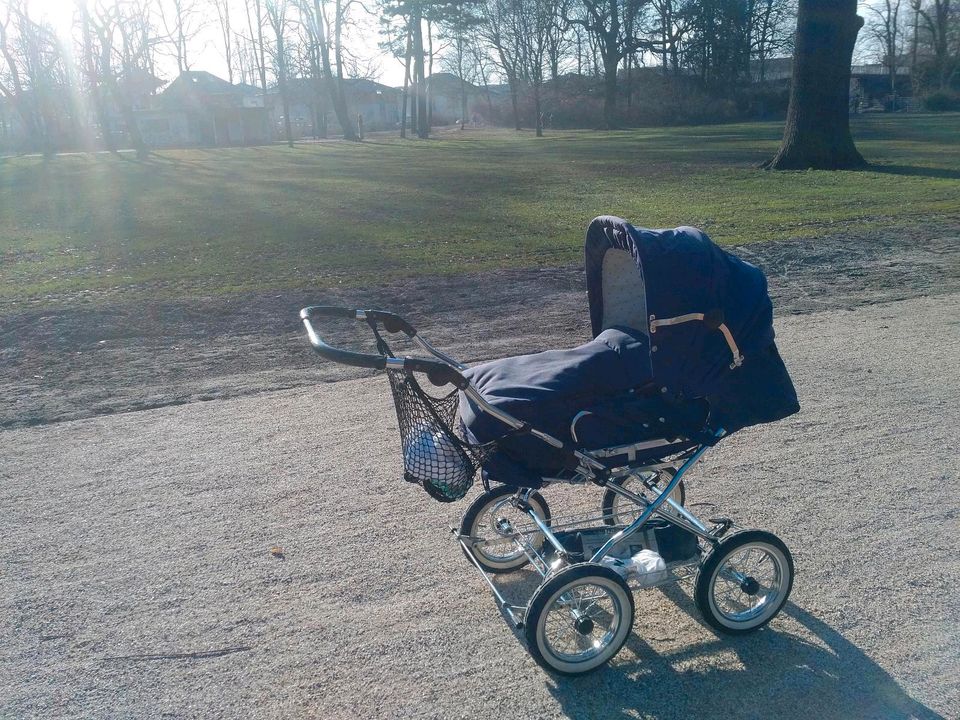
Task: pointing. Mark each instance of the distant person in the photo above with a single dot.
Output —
(360, 126)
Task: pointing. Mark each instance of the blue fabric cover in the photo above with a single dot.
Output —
(546, 389)
(685, 272)
(605, 377)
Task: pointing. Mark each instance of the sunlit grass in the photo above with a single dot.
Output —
(216, 221)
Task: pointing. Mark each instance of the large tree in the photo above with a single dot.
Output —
(410, 16)
(277, 17)
(611, 25)
(939, 20)
(884, 28)
(320, 27)
(817, 133)
(501, 33)
(458, 27)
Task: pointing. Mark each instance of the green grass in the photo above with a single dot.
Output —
(225, 220)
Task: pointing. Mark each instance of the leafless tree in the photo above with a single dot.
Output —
(484, 68)
(123, 51)
(534, 19)
(277, 17)
(11, 80)
(608, 22)
(255, 22)
(183, 20)
(501, 32)
(315, 14)
(884, 28)
(33, 76)
(222, 8)
(941, 21)
(772, 26)
(457, 30)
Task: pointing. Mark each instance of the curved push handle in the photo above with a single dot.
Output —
(438, 373)
(328, 352)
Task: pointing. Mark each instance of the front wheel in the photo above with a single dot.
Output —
(579, 619)
(744, 582)
(496, 550)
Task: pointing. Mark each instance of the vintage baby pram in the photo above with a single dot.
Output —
(683, 355)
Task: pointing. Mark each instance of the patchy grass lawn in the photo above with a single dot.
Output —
(217, 221)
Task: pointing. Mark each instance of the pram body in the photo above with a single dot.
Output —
(683, 355)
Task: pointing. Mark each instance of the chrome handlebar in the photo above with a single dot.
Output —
(438, 372)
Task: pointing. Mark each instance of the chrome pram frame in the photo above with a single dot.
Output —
(538, 542)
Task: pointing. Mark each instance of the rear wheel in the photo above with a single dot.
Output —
(744, 582)
(579, 619)
(618, 510)
(485, 521)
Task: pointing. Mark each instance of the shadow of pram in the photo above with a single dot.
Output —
(799, 667)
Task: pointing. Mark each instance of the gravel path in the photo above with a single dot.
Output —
(138, 578)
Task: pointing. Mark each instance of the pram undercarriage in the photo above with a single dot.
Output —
(582, 611)
(573, 621)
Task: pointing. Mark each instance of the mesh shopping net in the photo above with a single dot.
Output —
(434, 455)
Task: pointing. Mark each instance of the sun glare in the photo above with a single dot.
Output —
(58, 13)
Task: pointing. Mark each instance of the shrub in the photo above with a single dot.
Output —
(942, 101)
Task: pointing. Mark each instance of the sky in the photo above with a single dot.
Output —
(207, 53)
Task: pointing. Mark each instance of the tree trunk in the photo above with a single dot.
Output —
(334, 87)
(537, 110)
(282, 82)
(914, 78)
(423, 128)
(430, 74)
(817, 133)
(514, 101)
(610, 93)
(133, 131)
(285, 97)
(406, 87)
(262, 67)
(93, 83)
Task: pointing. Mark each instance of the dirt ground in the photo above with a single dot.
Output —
(74, 359)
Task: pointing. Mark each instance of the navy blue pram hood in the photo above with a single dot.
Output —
(683, 346)
(683, 272)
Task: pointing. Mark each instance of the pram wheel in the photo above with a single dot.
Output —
(744, 582)
(498, 553)
(618, 510)
(579, 619)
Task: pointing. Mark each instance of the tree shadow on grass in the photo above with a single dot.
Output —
(915, 171)
(774, 672)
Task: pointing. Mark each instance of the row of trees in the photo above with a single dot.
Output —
(59, 80)
(111, 46)
(922, 35)
(527, 43)
(722, 45)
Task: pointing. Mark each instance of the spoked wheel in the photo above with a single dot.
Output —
(619, 510)
(486, 519)
(744, 582)
(579, 619)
